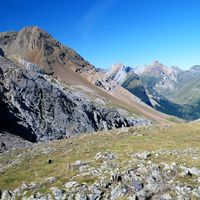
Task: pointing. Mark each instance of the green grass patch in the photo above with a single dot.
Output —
(33, 165)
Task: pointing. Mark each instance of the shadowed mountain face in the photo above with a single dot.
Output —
(10, 123)
(1, 52)
(127, 78)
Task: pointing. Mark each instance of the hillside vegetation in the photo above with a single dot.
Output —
(153, 161)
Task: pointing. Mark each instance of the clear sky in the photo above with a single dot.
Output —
(104, 32)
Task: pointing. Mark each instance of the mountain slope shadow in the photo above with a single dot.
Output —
(11, 124)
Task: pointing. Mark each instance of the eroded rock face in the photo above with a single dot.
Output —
(37, 46)
(36, 108)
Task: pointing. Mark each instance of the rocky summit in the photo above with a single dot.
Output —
(37, 46)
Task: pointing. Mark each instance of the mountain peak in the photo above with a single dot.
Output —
(195, 67)
(33, 27)
(156, 63)
(34, 30)
(35, 45)
(120, 66)
(127, 69)
(117, 66)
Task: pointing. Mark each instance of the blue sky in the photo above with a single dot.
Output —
(134, 32)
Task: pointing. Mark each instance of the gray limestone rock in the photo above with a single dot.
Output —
(58, 193)
(143, 155)
(7, 195)
(11, 142)
(40, 109)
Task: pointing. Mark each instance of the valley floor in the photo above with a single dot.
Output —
(153, 162)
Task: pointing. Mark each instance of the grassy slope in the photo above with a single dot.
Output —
(183, 101)
(32, 163)
(186, 93)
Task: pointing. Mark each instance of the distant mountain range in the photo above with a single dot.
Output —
(167, 89)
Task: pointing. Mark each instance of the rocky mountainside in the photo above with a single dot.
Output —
(147, 83)
(119, 72)
(173, 83)
(188, 87)
(10, 142)
(167, 89)
(158, 76)
(177, 89)
(50, 92)
(41, 108)
(36, 50)
(127, 78)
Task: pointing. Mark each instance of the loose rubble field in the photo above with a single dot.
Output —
(136, 163)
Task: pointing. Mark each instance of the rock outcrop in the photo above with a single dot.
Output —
(38, 107)
(11, 142)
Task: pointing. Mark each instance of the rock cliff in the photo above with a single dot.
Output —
(37, 107)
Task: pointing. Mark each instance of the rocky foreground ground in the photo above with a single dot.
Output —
(143, 163)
